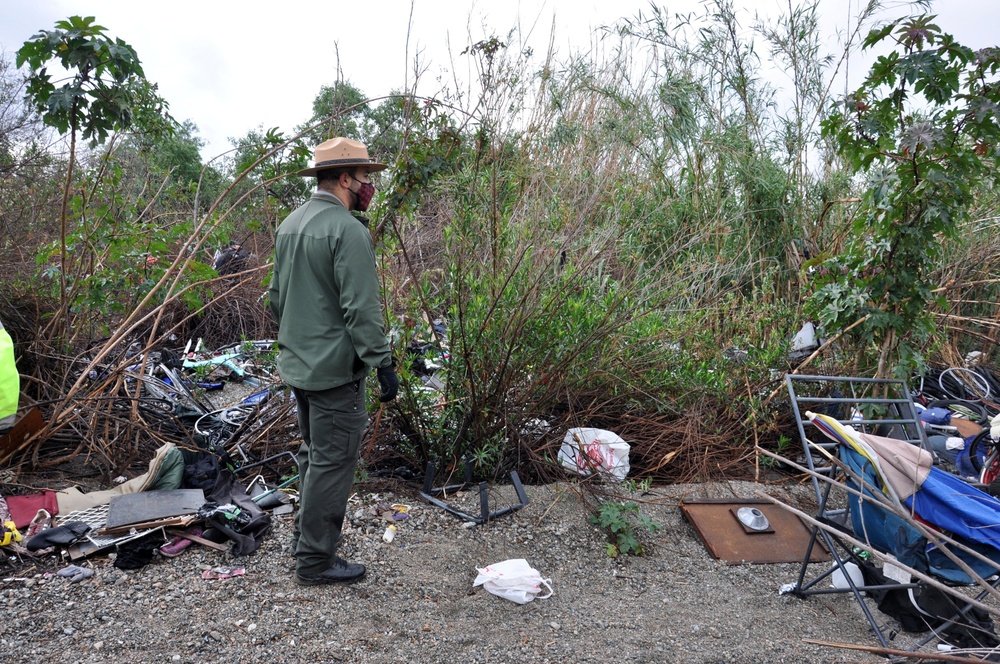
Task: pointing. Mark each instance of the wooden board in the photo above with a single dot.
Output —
(168, 522)
(147, 506)
(729, 541)
(11, 441)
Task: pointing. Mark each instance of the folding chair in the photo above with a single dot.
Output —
(859, 512)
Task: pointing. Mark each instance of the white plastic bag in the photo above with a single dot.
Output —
(995, 428)
(585, 450)
(515, 580)
(805, 339)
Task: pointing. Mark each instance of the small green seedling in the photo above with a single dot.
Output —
(623, 521)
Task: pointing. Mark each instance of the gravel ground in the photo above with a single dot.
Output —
(417, 602)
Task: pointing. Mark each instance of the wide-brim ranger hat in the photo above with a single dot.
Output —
(338, 153)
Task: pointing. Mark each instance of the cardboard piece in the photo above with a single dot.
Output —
(727, 539)
(966, 428)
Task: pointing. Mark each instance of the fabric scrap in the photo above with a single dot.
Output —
(24, 508)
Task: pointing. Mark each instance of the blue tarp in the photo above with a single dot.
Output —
(943, 500)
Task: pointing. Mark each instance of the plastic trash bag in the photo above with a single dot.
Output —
(804, 343)
(805, 339)
(938, 416)
(585, 450)
(995, 427)
(515, 580)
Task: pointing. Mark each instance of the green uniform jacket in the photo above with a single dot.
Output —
(324, 294)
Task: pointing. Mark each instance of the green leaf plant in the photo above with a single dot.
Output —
(624, 524)
(921, 134)
(105, 91)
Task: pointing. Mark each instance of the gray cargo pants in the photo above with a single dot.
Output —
(332, 423)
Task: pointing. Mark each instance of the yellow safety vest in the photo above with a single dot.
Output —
(10, 383)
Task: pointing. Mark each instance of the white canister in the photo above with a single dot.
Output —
(840, 581)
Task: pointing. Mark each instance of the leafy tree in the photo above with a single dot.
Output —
(179, 154)
(923, 129)
(264, 160)
(426, 143)
(342, 110)
(106, 80)
(106, 92)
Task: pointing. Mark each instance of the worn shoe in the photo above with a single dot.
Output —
(178, 544)
(340, 571)
(42, 521)
(63, 535)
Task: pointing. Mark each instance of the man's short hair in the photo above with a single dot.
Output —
(333, 174)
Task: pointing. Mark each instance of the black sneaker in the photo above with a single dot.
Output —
(340, 571)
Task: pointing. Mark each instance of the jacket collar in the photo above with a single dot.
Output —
(320, 195)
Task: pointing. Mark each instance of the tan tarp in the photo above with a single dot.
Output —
(72, 499)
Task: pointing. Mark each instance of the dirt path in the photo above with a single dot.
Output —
(417, 603)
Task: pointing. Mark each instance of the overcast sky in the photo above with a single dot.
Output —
(233, 66)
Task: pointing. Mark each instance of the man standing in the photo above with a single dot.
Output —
(324, 294)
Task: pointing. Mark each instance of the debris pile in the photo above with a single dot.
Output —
(123, 408)
(223, 429)
(183, 498)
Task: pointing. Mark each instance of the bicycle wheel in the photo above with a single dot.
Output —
(209, 424)
(235, 415)
(969, 385)
(981, 449)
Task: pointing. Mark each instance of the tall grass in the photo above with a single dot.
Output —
(618, 238)
(624, 249)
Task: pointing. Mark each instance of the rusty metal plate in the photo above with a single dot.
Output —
(729, 541)
(11, 441)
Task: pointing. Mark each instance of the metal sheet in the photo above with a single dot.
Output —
(148, 506)
(93, 542)
(729, 541)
